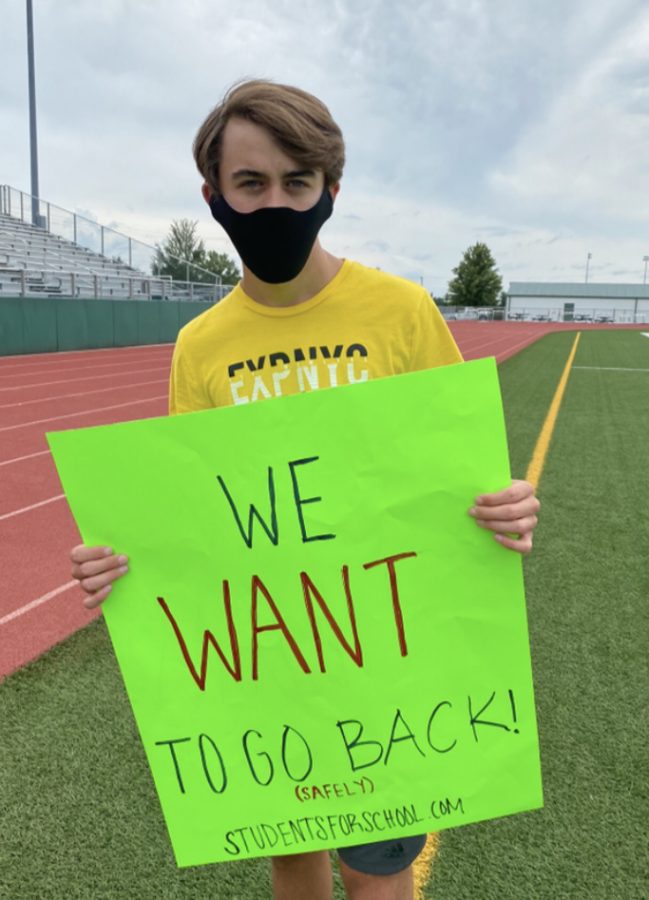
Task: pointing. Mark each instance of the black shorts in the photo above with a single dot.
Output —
(383, 857)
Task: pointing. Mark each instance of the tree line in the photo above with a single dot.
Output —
(183, 256)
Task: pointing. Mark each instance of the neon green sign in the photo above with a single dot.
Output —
(320, 647)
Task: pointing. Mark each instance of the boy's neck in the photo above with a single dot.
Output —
(319, 270)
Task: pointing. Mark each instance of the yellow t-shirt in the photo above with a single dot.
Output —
(363, 324)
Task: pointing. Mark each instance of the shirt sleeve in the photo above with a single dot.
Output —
(432, 343)
(186, 393)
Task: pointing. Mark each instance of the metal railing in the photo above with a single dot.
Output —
(551, 314)
(473, 312)
(601, 316)
(50, 283)
(109, 243)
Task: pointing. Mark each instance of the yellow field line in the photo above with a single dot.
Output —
(423, 865)
(535, 467)
(424, 862)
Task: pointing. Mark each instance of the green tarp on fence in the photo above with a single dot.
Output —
(11, 326)
(41, 325)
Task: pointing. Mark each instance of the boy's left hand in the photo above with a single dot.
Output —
(510, 511)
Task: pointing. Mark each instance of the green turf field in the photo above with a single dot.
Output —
(588, 606)
(75, 791)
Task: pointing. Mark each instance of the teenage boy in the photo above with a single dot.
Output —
(271, 158)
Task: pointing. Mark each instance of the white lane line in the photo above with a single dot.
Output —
(644, 333)
(59, 354)
(34, 603)
(17, 512)
(526, 341)
(87, 412)
(610, 369)
(8, 462)
(72, 368)
(493, 343)
(22, 387)
(133, 384)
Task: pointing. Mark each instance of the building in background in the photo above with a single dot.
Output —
(565, 302)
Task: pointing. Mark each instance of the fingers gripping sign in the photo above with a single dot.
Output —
(96, 568)
(512, 514)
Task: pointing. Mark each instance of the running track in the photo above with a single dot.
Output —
(39, 604)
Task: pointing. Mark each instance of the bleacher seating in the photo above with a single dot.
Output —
(35, 261)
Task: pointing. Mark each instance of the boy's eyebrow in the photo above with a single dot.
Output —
(253, 173)
(246, 172)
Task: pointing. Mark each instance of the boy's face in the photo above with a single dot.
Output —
(255, 172)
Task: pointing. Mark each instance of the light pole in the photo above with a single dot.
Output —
(36, 219)
(646, 260)
(588, 258)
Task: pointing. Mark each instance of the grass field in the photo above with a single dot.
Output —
(75, 789)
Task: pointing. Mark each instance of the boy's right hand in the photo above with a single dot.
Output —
(95, 568)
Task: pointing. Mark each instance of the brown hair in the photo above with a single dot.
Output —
(299, 122)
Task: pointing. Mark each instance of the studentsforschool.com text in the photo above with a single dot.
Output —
(333, 828)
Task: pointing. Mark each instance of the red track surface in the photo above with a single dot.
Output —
(39, 606)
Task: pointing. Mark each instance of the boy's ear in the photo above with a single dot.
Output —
(206, 191)
(334, 189)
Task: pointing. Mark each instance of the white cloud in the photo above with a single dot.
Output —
(521, 124)
(585, 160)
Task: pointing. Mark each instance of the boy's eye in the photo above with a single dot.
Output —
(254, 184)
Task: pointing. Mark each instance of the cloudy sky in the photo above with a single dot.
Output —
(521, 123)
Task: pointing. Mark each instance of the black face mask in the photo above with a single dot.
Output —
(274, 242)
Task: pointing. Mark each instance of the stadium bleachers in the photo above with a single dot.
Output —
(40, 261)
(35, 262)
